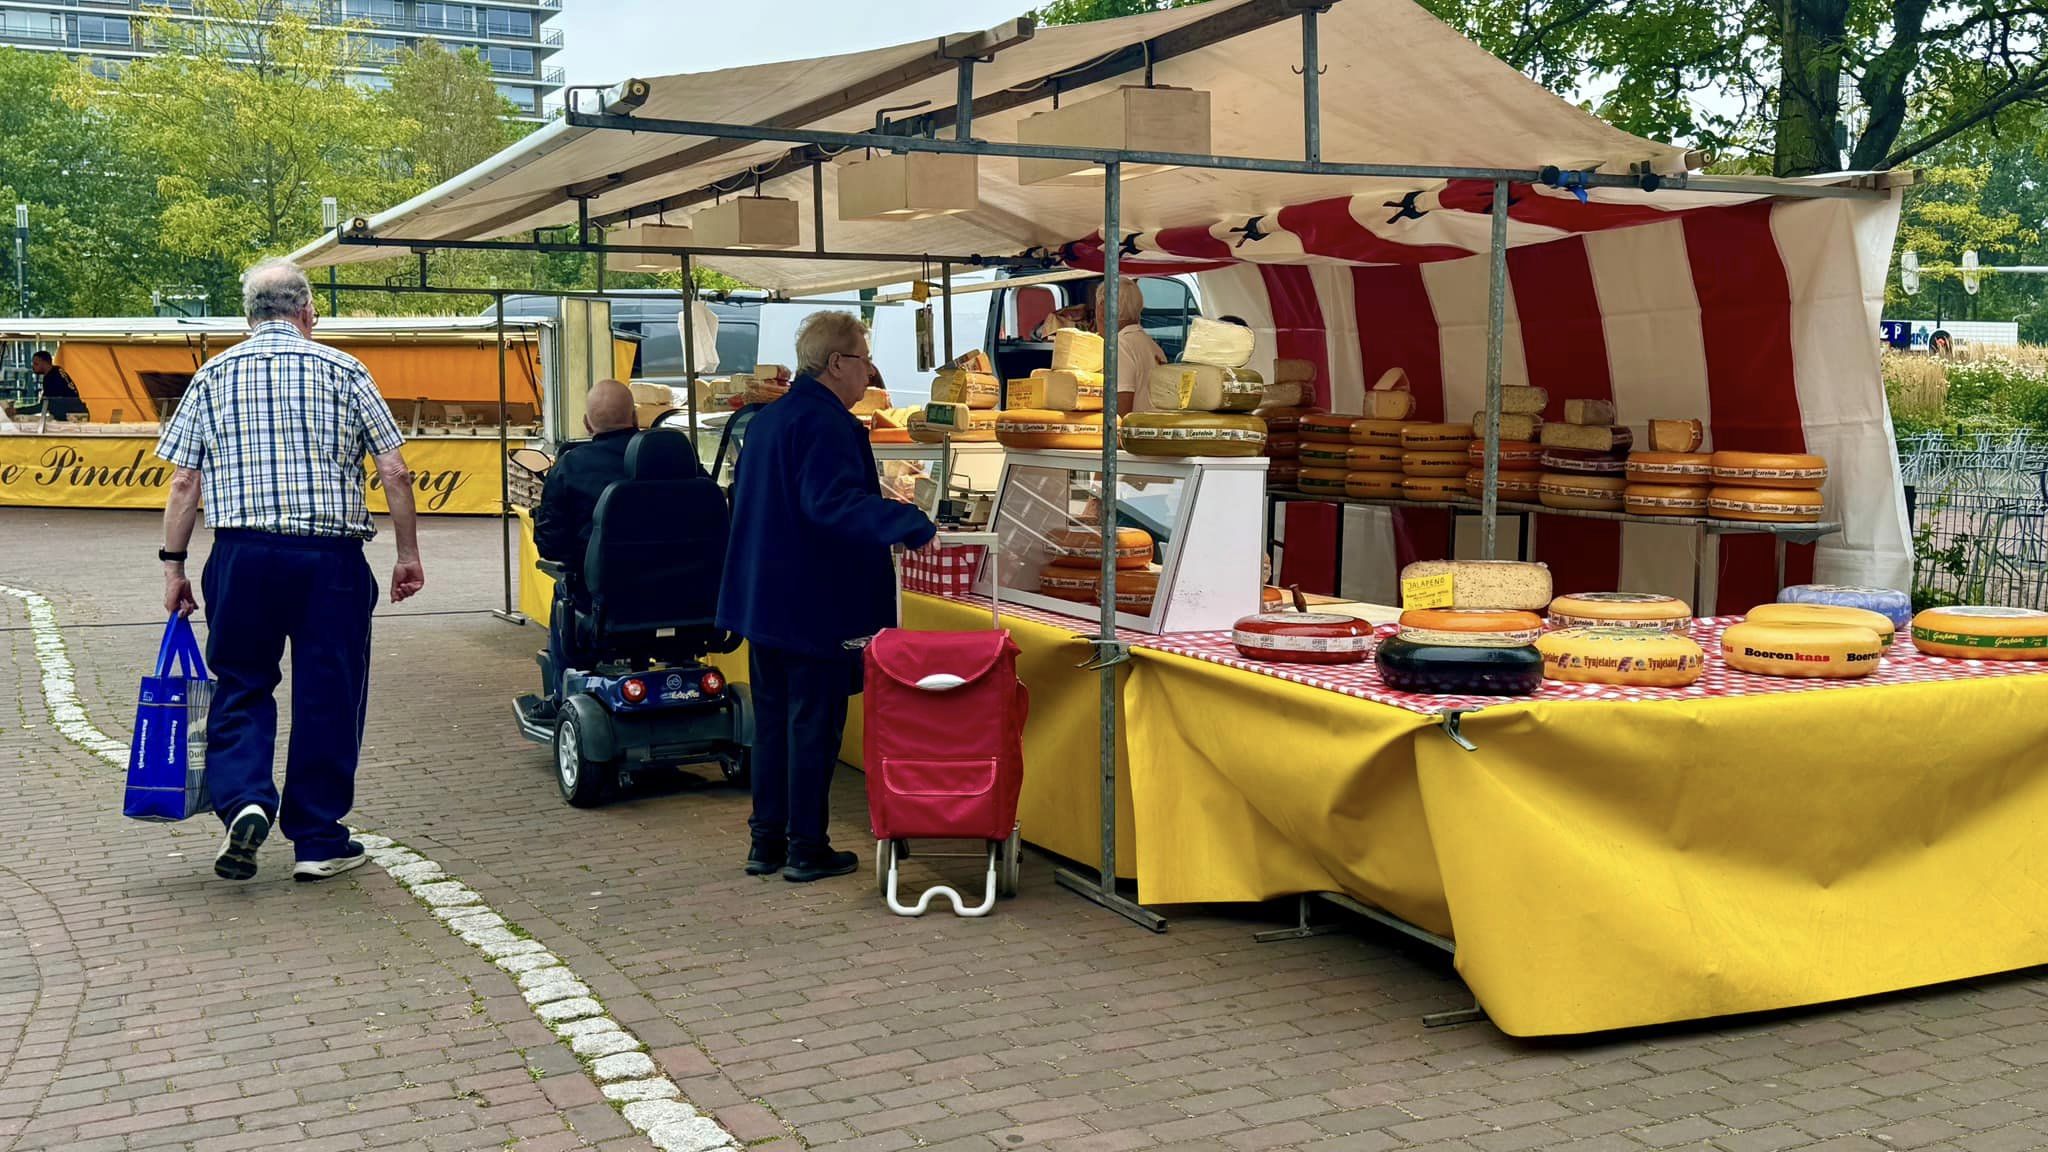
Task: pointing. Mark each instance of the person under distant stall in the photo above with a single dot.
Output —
(60, 395)
(1136, 351)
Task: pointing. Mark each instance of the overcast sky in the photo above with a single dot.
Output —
(609, 40)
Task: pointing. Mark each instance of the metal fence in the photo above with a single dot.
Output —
(1979, 509)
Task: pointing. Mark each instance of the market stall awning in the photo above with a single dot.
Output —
(1400, 88)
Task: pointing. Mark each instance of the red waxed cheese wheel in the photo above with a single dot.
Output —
(1515, 455)
(1283, 420)
(1082, 548)
(1584, 462)
(1327, 427)
(1303, 638)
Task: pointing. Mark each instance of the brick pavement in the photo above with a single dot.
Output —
(143, 1004)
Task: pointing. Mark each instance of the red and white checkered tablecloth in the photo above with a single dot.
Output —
(947, 570)
(1902, 665)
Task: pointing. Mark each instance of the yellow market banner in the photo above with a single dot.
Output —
(453, 476)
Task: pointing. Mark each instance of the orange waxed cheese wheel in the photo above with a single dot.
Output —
(1082, 548)
(1769, 470)
(1470, 620)
(1766, 505)
(1042, 429)
(1379, 433)
(1327, 427)
(1666, 499)
(1432, 488)
(1373, 486)
(1670, 468)
(1323, 481)
(1438, 464)
(1371, 458)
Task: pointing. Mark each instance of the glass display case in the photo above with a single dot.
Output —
(1201, 518)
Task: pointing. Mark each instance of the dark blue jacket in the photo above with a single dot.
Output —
(808, 566)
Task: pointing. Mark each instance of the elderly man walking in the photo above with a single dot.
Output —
(272, 434)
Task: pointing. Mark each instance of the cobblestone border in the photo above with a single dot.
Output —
(616, 1060)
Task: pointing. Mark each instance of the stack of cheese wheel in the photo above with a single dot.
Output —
(1521, 457)
(1628, 657)
(1890, 603)
(1433, 461)
(1061, 416)
(1325, 449)
(1674, 477)
(1283, 443)
(1483, 644)
(1075, 571)
(1642, 611)
(1585, 459)
(1768, 487)
(1136, 588)
(1202, 405)
(1982, 632)
(1301, 636)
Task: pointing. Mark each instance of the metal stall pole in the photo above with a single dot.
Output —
(1311, 90)
(1496, 325)
(1109, 652)
(946, 300)
(510, 613)
(690, 349)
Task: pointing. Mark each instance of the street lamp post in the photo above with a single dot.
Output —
(21, 259)
(330, 220)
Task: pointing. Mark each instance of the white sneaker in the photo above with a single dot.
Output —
(237, 858)
(309, 870)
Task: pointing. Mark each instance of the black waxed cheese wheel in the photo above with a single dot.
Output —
(1442, 670)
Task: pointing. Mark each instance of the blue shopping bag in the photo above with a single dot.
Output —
(167, 759)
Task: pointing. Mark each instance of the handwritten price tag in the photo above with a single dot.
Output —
(1427, 591)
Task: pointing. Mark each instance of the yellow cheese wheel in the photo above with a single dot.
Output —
(1665, 500)
(1824, 614)
(1982, 632)
(1802, 651)
(1135, 591)
(1193, 434)
(1769, 470)
(1373, 485)
(1766, 505)
(1039, 429)
(980, 429)
(1588, 493)
(1518, 486)
(1436, 437)
(1081, 585)
(1327, 427)
(1321, 454)
(1433, 488)
(1323, 481)
(1439, 464)
(1631, 657)
(1379, 433)
(1670, 467)
(1635, 610)
(1082, 548)
(1372, 458)
(1515, 455)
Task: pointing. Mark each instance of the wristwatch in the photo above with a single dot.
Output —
(170, 557)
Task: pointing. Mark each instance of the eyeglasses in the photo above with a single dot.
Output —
(863, 357)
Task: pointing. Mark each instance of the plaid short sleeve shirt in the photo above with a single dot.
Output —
(277, 428)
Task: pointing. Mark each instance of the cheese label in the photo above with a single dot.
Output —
(1426, 591)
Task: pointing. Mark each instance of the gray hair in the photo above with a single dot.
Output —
(823, 333)
(275, 290)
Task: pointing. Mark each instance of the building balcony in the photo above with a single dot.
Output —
(31, 35)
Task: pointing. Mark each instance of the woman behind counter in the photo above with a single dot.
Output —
(1136, 352)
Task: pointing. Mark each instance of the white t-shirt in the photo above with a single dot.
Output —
(1136, 354)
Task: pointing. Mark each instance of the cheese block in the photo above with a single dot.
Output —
(1982, 632)
(1076, 349)
(1082, 548)
(1327, 427)
(1889, 602)
(1041, 429)
(1193, 434)
(1436, 437)
(1767, 505)
(974, 389)
(1581, 493)
(1286, 395)
(1522, 400)
(1589, 413)
(1064, 391)
(1283, 473)
(1374, 486)
(1215, 342)
(1627, 657)
(1136, 590)
(1824, 614)
(1643, 610)
(1477, 621)
(1316, 454)
(1081, 585)
(1510, 584)
(1665, 499)
(1670, 468)
(1513, 426)
(974, 427)
(1283, 418)
(1576, 462)
(1458, 670)
(1270, 597)
(1436, 464)
(1587, 437)
(1294, 371)
(1283, 447)
(889, 436)
(1432, 488)
(871, 401)
(645, 393)
(775, 372)
(1389, 405)
(1515, 455)
(1379, 433)
(1676, 435)
(761, 391)
(644, 415)
(1769, 470)
(1802, 651)
(1516, 486)
(1302, 638)
(1204, 388)
(1366, 458)
(1323, 481)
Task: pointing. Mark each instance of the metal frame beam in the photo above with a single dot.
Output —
(362, 239)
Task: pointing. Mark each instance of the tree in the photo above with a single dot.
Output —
(453, 114)
(1946, 216)
(1082, 11)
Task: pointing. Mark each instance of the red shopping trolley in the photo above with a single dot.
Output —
(943, 741)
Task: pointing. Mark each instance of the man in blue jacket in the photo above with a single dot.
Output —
(808, 580)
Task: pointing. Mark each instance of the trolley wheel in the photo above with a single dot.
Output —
(738, 768)
(1010, 864)
(583, 782)
(882, 866)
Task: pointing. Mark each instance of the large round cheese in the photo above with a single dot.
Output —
(1519, 486)
(1077, 584)
(1285, 418)
(1515, 455)
(1415, 463)
(1833, 614)
(1135, 591)
(1458, 670)
(1432, 488)
(1802, 651)
(1192, 433)
(1187, 387)
(1766, 505)
(1980, 632)
(1644, 611)
(981, 429)
(1665, 500)
(1631, 657)
(1436, 437)
(1323, 481)
(1769, 470)
(1327, 427)
(1082, 548)
(1889, 602)
(1286, 447)
(1587, 493)
(1373, 485)
(1493, 628)
(1040, 429)
(1584, 462)
(1302, 638)
(1379, 433)
(1322, 454)
(1670, 467)
(1283, 473)
(1371, 458)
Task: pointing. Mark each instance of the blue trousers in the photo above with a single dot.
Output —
(262, 591)
(799, 718)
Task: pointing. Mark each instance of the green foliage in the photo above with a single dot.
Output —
(1995, 392)
(453, 115)
(1082, 11)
